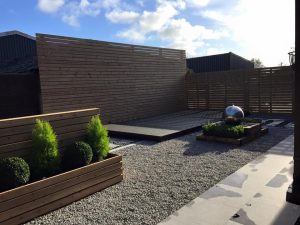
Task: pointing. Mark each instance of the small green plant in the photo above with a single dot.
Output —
(223, 130)
(97, 138)
(45, 157)
(14, 172)
(251, 120)
(76, 155)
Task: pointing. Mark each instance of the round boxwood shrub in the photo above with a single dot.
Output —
(76, 155)
(14, 172)
(45, 156)
(97, 138)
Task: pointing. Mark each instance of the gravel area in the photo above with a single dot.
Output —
(122, 141)
(160, 178)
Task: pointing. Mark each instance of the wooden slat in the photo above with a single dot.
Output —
(25, 189)
(57, 195)
(58, 187)
(62, 202)
(16, 133)
(125, 81)
(264, 90)
(49, 117)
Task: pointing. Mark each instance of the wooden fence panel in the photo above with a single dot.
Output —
(125, 81)
(15, 133)
(264, 90)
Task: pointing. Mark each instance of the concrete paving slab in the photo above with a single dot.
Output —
(232, 223)
(194, 213)
(164, 127)
(275, 122)
(257, 212)
(255, 194)
(140, 132)
(290, 125)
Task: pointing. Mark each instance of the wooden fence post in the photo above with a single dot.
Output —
(271, 90)
(207, 90)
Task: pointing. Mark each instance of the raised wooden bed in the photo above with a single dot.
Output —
(37, 198)
(29, 201)
(252, 132)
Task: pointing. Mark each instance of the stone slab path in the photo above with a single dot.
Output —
(253, 195)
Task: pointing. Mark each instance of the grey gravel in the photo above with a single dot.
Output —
(160, 178)
(122, 141)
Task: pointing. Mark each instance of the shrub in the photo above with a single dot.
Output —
(14, 172)
(45, 157)
(223, 130)
(76, 155)
(251, 120)
(97, 138)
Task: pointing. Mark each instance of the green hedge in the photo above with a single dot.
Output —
(97, 138)
(14, 171)
(223, 130)
(45, 157)
(76, 155)
(251, 120)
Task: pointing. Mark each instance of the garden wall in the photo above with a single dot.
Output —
(15, 133)
(264, 90)
(124, 81)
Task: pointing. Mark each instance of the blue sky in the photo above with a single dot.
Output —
(251, 28)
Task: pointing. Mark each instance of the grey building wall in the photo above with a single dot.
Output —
(221, 62)
(14, 46)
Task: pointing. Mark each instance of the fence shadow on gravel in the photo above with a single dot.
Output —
(262, 144)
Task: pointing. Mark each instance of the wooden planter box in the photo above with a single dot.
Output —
(34, 199)
(252, 129)
(252, 134)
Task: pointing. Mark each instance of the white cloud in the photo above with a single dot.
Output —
(110, 3)
(50, 6)
(72, 20)
(181, 34)
(262, 28)
(180, 4)
(215, 51)
(118, 16)
(197, 3)
(163, 25)
(149, 22)
(132, 34)
(154, 21)
(71, 11)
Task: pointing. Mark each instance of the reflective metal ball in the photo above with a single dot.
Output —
(233, 114)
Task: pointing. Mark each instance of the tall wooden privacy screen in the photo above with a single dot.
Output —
(125, 81)
(264, 90)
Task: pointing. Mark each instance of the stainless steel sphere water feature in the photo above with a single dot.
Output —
(233, 114)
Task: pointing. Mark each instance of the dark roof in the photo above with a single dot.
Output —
(18, 52)
(222, 54)
(15, 32)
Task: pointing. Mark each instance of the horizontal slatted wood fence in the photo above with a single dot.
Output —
(125, 81)
(15, 133)
(263, 90)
